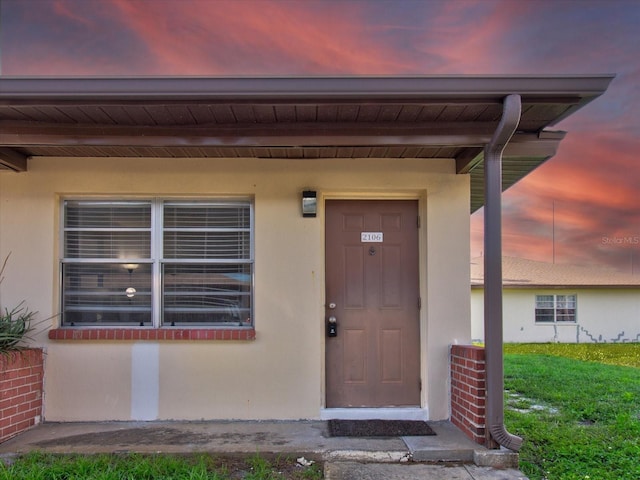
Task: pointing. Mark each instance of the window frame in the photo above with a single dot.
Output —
(556, 309)
(157, 258)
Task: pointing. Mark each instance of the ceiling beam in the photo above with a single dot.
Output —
(13, 160)
(543, 145)
(25, 134)
(468, 160)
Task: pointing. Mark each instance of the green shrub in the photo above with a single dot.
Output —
(15, 326)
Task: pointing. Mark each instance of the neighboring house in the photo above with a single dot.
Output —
(160, 221)
(549, 302)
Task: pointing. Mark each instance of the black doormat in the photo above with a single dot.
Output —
(378, 428)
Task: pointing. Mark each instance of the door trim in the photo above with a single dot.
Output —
(383, 413)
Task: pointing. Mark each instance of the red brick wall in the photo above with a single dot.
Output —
(468, 391)
(21, 375)
(152, 334)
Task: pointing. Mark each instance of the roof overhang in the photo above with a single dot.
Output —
(289, 117)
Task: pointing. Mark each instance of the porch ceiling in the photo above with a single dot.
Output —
(288, 117)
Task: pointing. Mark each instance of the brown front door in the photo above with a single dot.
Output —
(372, 291)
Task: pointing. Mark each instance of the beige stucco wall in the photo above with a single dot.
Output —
(280, 375)
(603, 315)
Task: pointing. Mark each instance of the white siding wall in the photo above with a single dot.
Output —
(603, 315)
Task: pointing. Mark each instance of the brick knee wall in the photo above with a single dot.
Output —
(21, 376)
(468, 392)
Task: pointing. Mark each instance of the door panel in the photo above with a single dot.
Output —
(372, 278)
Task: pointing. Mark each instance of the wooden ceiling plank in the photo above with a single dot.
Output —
(348, 113)
(119, 115)
(306, 113)
(389, 113)
(264, 113)
(451, 113)
(97, 115)
(411, 152)
(295, 153)
(368, 113)
(328, 152)
(77, 115)
(202, 114)
(327, 113)
(160, 114)
(244, 114)
(311, 153)
(11, 113)
(430, 113)
(181, 115)
(223, 114)
(409, 113)
(472, 113)
(285, 113)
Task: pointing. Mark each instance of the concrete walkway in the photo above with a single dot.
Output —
(447, 455)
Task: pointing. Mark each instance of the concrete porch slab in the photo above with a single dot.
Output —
(251, 437)
(307, 438)
(451, 445)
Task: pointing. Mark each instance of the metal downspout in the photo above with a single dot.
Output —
(493, 275)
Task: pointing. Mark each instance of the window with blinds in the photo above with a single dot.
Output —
(157, 263)
(207, 265)
(555, 308)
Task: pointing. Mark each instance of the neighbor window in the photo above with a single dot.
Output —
(555, 308)
(157, 263)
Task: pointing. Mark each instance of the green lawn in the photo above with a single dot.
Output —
(580, 417)
(40, 466)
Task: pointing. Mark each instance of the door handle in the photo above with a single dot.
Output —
(332, 326)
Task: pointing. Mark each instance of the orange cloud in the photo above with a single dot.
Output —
(596, 169)
(579, 207)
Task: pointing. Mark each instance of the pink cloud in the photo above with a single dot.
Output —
(567, 206)
(466, 45)
(256, 37)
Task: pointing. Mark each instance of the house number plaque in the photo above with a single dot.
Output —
(371, 237)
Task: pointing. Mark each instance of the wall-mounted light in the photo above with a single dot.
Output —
(309, 203)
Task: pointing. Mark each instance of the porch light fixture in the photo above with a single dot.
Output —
(130, 267)
(309, 203)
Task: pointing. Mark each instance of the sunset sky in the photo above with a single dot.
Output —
(583, 206)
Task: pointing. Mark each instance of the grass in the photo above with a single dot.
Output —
(579, 416)
(622, 354)
(42, 466)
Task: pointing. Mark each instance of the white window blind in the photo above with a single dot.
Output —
(106, 266)
(208, 266)
(107, 230)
